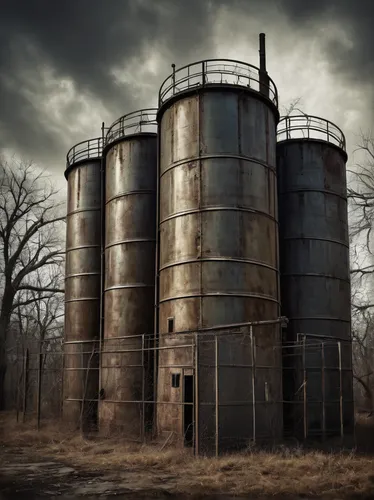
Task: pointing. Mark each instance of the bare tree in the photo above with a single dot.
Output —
(361, 203)
(361, 196)
(30, 241)
(363, 355)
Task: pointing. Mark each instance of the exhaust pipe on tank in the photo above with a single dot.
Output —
(264, 80)
(262, 52)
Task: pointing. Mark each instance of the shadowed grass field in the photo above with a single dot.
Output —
(283, 472)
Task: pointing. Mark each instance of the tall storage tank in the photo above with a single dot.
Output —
(218, 233)
(130, 234)
(315, 278)
(82, 283)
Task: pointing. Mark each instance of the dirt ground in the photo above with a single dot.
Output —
(56, 463)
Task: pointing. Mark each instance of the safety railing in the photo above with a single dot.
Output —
(217, 72)
(310, 127)
(140, 121)
(85, 150)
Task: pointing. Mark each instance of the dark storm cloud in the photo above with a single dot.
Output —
(84, 40)
(355, 18)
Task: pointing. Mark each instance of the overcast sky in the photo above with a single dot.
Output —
(66, 66)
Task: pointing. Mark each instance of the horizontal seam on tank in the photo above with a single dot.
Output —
(221, 294)
(125, 138)
(76, 400)
(291, 238)
(133, 240)
(84, 162)
(130, 193)
(219, 259)
(76, 275)
(85, 341)
(80, 210)
(70, 249)
(310, 140)
(316, 275)
(219, 208)
(78, 368)
(213, 156)
(293, 318)
(82, 299)
(310, 190)
(199, 88)
(132, 285)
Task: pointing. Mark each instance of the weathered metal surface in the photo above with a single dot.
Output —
(314, 238)
(315, 279)
(218, 222)
(130, 222)
(218, 248)
(82, 286)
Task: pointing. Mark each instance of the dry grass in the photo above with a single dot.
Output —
(284, 472)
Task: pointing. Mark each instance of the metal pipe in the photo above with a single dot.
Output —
(143, 392)
(262, 52)
(102, 256)
(341, 391)
(25, 383)
(263, 76)
(253, 376)
(173, 77)
(323, 392)
(18, 381)
(197, 444)
(157, 281)
(39, 393)
(304, 390)
(217, 395)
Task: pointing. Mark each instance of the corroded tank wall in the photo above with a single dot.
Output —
(82, 283)
(130, 234)
(315, 278)
(218, 234)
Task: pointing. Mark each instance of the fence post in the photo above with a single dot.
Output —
(39, 393)
(253, 359)
(82, 415)
(196, 426)
(25, 382)
(217, 395)
(17, 383)
(305, 391)
(143, 392)
(323, 392)
(341, 391)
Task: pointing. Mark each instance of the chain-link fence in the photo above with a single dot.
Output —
(37, 383)
(215, 390)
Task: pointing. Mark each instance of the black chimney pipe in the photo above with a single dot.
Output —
(262, 52)
(264, 80)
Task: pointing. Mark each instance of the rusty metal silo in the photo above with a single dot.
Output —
(315, 278)
(130, 233)
(218, 234)
(82, 283)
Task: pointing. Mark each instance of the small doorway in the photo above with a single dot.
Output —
(188, 410)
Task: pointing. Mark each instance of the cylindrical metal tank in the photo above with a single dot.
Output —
(82, 283)
(218, 233)
(130, 240)
(315, 278)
